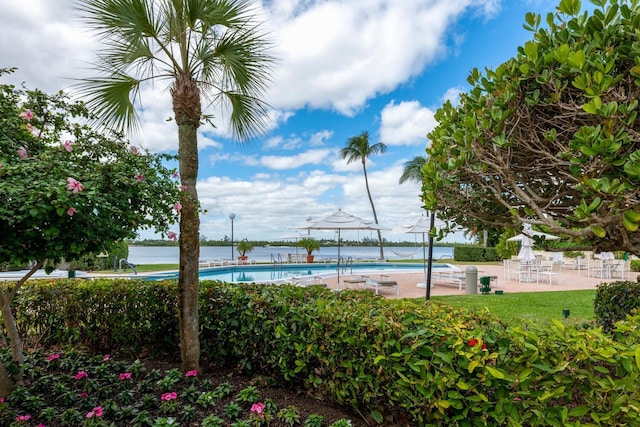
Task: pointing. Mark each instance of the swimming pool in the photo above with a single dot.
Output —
(283, 273)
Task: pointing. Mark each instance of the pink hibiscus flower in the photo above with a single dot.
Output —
(74, 185)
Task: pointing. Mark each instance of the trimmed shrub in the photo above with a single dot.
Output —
(615, 301)
(475, 254)
(100, 315)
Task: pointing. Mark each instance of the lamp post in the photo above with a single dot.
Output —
(232, 216)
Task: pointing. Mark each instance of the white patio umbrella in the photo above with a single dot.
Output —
(421, 226)
(530, 233)
(526, 249)
(339, 221)
(527, 241)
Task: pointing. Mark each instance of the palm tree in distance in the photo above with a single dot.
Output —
(211, 49)
(358, 148)
(413, 170)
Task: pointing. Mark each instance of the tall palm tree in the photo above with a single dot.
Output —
(358, 148)
(211, 49)
(413, 170)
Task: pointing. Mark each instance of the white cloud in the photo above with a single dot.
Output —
(338, 54)
(292, 142)
(406, 123)
(313, 157)
(452, 95)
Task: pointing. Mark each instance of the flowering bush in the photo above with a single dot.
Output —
(58, 396)
(61, 194)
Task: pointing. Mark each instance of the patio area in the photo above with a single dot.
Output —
(569, 280)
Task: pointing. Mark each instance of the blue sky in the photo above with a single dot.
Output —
(344, 66)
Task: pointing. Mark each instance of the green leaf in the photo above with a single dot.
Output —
(595, 204)
(579, 411)
(629, 225)
(562, 53)
(462, 385)
(632, 215)
(638, 357)
(577, 59)
(495, 372)
(598, 231)
(377, 417)
(593, 106)
(569, 7)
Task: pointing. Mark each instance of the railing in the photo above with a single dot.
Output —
(128, 265)
(344, 263)
(277, 260)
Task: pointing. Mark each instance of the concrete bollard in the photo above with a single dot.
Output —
(471, 280)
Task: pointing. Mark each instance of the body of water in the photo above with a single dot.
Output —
(170, 254)
(288, 272)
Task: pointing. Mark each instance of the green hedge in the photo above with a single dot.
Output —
(475, 254)
(403, 362)
(101, 315)
(615, 301)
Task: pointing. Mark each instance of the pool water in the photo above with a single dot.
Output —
(283, 273)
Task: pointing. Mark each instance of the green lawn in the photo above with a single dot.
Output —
(534, 306)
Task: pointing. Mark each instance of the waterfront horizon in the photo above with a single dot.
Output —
(170, 254)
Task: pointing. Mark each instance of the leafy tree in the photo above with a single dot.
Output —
(550, 137)
(359, 148)
(201, 48)
(68, 190)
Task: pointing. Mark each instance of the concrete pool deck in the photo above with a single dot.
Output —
(569, 280)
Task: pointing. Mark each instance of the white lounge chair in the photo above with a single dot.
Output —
(384, 281)
(309, 281)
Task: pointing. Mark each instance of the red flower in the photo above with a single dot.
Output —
(484, 346)
(472, 342)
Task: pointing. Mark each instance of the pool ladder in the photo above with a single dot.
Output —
(344, 263)
(277, 260)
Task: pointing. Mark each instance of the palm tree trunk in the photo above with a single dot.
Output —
(186, 105)
(373, 208)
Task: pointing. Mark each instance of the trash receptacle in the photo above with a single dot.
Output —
(71, 274)
(485, 285)
(471, 280)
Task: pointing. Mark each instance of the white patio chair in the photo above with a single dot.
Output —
(555, 270)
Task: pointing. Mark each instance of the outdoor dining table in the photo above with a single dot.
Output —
(528, 268)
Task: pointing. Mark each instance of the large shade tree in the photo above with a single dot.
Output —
(211, 49)
(550, 137)
(68, 191)
(360, 149)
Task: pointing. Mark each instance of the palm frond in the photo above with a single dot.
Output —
(110, 99)
(413, 170)
(248, 114)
